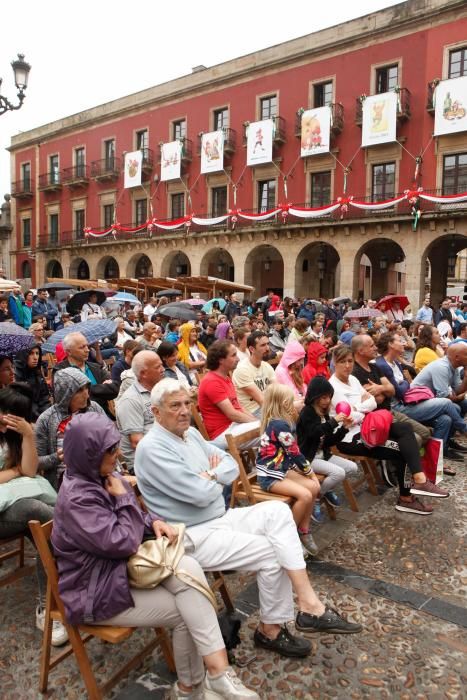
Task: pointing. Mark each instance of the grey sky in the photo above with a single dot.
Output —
(87, 53)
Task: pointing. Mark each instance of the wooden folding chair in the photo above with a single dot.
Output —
(370, 476)
(114, 635)
(198, 420)
(18, 551)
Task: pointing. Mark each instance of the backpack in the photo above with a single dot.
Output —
(375, 427)
(416, 394)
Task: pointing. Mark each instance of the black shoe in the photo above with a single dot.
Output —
(458, 446)
(453, 456)
(285, 643)
(330, 621)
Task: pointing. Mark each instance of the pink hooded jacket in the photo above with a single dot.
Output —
(293, 351)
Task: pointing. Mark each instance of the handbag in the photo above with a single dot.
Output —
(416, 394)
(432, 460)
(26, 487)
(375, 427)
(157, 559)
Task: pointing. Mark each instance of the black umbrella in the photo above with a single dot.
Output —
(184, 312)
(58, 286)
(80, 298)
(169, 293)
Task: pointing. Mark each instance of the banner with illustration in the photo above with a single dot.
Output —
(212, 152)
(316, 131)
(451, 106)
(259, 142)
(133, 163)
(171, 158)
(379, 119)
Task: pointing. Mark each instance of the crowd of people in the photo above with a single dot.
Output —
(322, 386)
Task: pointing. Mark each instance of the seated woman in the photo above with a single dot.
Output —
(224, 331)
(427, 347)
(122, 335)
(403, 451)
(289, 371)
(300, 329)
(28, 368)
(71, 393)
(7, 371)
(173, 368)
(98, 525)
(18, 457)
(317, 362)
(190, 351)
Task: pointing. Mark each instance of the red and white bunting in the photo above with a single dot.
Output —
(376, 205)
(312, 212)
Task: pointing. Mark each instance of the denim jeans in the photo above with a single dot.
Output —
(442, 414)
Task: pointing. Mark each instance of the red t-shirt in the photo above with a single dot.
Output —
(212, 390)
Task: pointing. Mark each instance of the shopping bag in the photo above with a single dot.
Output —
(432, 460)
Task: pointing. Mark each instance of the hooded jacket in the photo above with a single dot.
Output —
(66, 383)
(94, 533)
(293, 351)
(33, 377)
(184, 345)
(312, 368)
(315, 432)
(99, 392)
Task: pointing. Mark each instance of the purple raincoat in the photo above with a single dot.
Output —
(94, 533)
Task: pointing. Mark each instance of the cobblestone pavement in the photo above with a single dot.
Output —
(404, 577)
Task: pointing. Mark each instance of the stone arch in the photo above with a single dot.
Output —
(317, 271)
(108, 268)
(54, 269)
(79, 269)
(139, 266)
(264, 269)
(217, 262)
(176, 264)
(442, 253)
(379, 269)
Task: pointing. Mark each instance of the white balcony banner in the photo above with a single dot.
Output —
(133, 164)
(259, 142)
(315, 131)
(171, 160)
(451, 106)
(212, 152)
(379, 119)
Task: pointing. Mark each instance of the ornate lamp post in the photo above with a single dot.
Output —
(21, 72)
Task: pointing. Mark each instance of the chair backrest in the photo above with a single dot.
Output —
(236, 445)
(41, 534)
(198, 419)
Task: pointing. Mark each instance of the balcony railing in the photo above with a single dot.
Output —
(403, 106)
(337, 119)
(278, 134)
(21, 189)
(76, 176)
(50, 182)
(187, 151)
(148, 160)
(230, 141)
(106, 169)
(430, 101)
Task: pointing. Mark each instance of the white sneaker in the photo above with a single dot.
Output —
(228, 686)
(59, 633)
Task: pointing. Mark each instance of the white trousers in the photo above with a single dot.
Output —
(236, 429)
(261, 538)
(336, 469)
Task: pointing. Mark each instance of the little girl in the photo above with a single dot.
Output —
(281, 467)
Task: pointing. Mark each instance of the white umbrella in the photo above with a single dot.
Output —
(8, 285)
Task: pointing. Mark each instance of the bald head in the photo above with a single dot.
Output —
(363, 347)
(457, 354)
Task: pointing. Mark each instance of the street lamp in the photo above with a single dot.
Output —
(267, 264)
(383, 262)
(21, 72)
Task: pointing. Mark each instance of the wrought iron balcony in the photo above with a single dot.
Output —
(50, 182)
(403, 107)
(148, 160)
(278, 135)
(22, 189)
(430, 98)
(76, 176)
(230, 141)
(337, 119)
(107, 169)
(187, 151)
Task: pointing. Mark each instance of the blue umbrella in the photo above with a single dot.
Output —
(125, 296)
(14, 338)
(93, 330)
(208, 305)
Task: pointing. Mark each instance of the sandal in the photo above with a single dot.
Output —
(449, 471)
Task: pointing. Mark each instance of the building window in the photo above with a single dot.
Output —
(26, 225)
(141, 211)
(266, 195)
(455, 173)
(177, 205)
(142, 140)
(109, 154)
(108, 215)
(79, 223)
(179, 129)
(386, 78)
(26, 176)
(143, 267)
(53, 228)
(221, 118)
(111, 271)
(458, 62)
(83, 270)
(80, 162)
(268, 107)
(322, 94)
(26, 270)
(54, 173)
(320, 188)
(219, 201)
(383, 182)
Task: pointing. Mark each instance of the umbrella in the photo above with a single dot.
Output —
(57, 286)
(14, 338)
(194, 302)
(125, 296)
(177, 310)
(356, 314)
(317, 304)
(208, 305)
(169, 293)
(391, 298)
(80, 298)
(341, 300)
(261, 300)
(93, 330)
(8, 285)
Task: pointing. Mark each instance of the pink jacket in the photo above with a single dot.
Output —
(293, 351)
